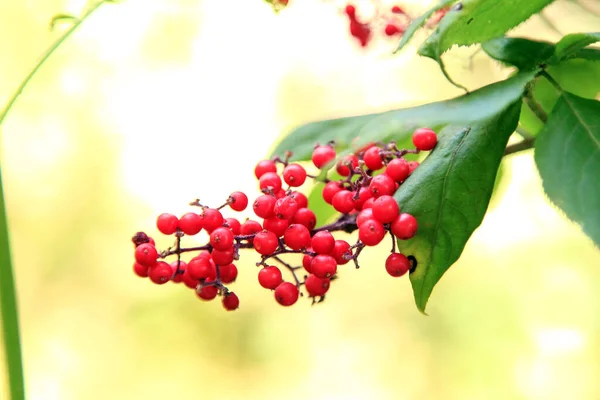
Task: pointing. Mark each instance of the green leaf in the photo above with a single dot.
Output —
(399, 124)
(569, 45)
(419, 22)
(476, 21)
(588, 54)
(520, 52)
(567, 154)
(449, 194)
(577, 76)
(9, 311)
(322, 210)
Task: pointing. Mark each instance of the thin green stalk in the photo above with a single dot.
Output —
(10, 314)
(8, 294)
(49, 51)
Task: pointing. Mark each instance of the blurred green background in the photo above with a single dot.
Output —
(156, 102)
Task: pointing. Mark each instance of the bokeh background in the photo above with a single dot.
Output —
(153, 103)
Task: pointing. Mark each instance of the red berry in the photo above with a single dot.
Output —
(270, 180)
(211, 219)
(404, 226)
(177, 270)
(424, 139)
(223, 257)
(391, 30)
(372, 158)
(323, 266)
(341, 249)
(365, 215)
(350, 11)
(265, 242)
(199, 268)
(270, 277)
(221, 238)
(146, 254)
(307, 261)
(208, 292)
(412, 165)
(360, 31)
(397, 10)
(322, 242)
(368, 203)
(160, 273)
(385, 209)
(276, 225)
(286, 294)
(397, 264)
(264, 206)
(364, 194)
(323, 155)
(294, 175)
(230, 301)
(234, 225)
(250, 227)
(347, 165)
(316, 286)
(228, 273)
(398, 170)
(190, 223)
(330, 189)
(263, 167)
(238, 201)
(189, 281)
(297, 237)
(285, 208)
(371, 232)
(280, 194)
(343, 201)
(306, 217)
(382, 185)
(300, 198)
(140, 270)
(167, 224)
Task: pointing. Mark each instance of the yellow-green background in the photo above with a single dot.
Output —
(156, 102)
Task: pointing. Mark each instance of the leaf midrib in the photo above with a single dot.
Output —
(587, 128)
(441, 208)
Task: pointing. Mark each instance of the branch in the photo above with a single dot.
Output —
(535, 106)
(49, 51)
(521, 146)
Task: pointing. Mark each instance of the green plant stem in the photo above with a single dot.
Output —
(552, 81)
(535, 107)
(9, 310)
(523, 145)
(49, 51)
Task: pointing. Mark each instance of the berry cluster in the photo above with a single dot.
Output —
(391, 21)
(363, 196)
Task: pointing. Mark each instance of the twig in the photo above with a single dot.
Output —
(526, 144)
(49, 51)
(535, 106)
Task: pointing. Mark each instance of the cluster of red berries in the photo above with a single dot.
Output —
(392, 22)
(363, 196)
